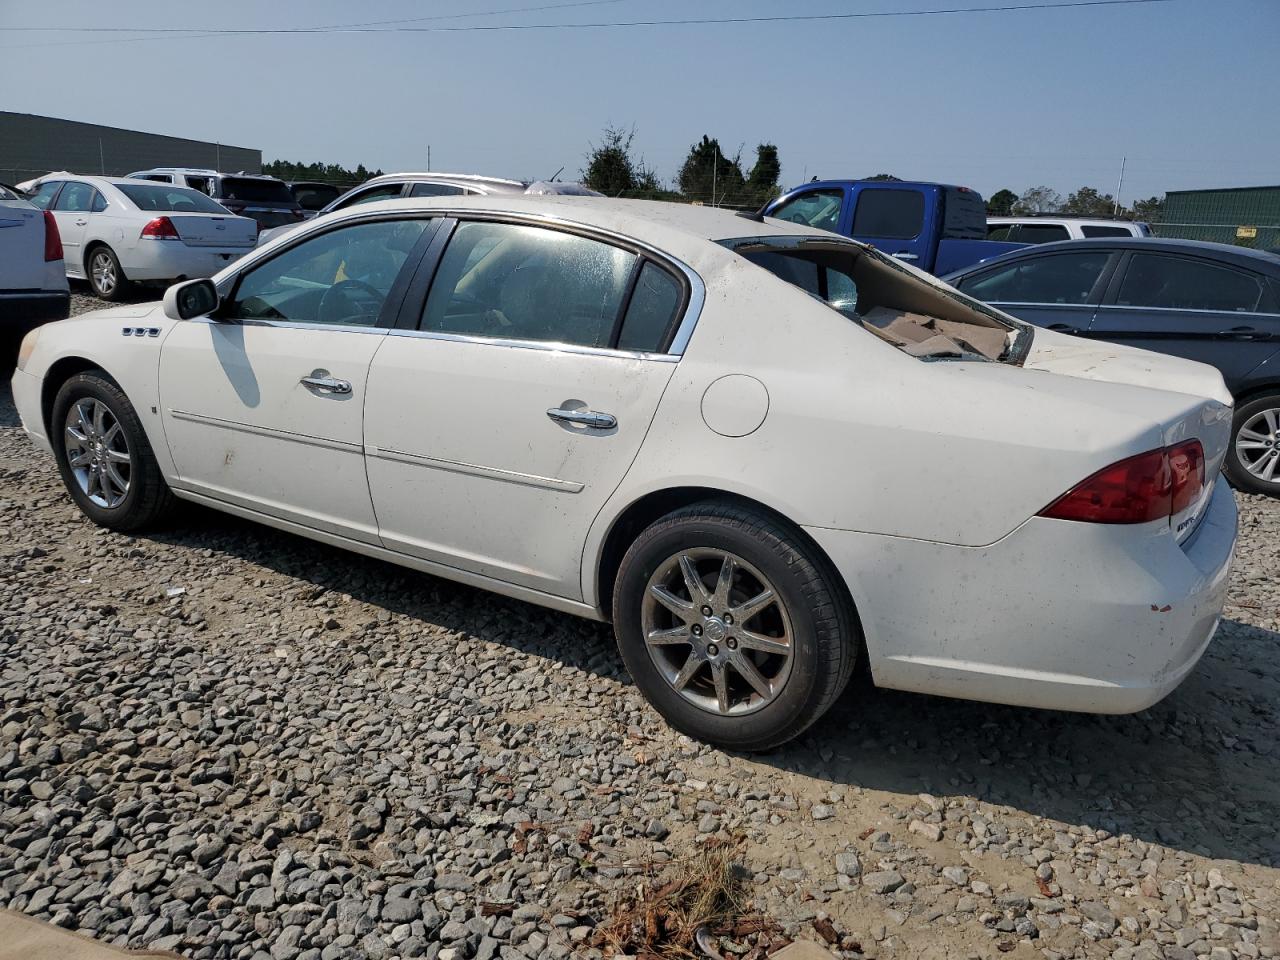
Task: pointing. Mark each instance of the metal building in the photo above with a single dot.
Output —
(31, 145)
(1247, 216)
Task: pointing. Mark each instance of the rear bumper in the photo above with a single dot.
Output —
(30, 308)
(170, 260)
(1057, 615)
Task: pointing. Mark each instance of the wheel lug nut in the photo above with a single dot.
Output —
(731, 643)
(728, 619)
(697, 630)
(706, 611)
(712, 649)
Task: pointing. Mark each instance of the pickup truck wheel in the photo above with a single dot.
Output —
(732, 627)
(104, 457)
(1253, 458)
(105, 276)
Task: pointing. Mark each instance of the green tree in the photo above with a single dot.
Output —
(886, 176)
(324, 172)
(1150, 210)
(1038, 200)
(762, 181)
(1088, 202)
(1000, 204)
(709, 177)
(610, 168)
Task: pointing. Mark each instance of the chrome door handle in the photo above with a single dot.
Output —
(588, 418)
(904, 255)
(330, 385)
(81, 223)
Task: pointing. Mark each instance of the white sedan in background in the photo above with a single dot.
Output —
(764, 452)
(33, 281)
(117, 232)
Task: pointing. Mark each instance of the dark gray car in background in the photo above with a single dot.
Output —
(1205, 301)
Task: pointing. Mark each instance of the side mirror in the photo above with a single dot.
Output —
(194, 298)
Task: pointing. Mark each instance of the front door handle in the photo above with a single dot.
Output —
(1243, 333)
(81, 223)
(321, 382)
(587, 418)
(1062, 328)
(906, 255)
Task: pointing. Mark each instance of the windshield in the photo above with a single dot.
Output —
(256, 190)
(161, 197)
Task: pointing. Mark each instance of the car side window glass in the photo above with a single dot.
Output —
(1178, 283)
(1039, 232)
(814, 208)
(1060, 278)
(45, 193)
(651, 311)
(529, 284)
(896, 214)
(99, 203)
(340, 277)
(1099, 231)
(999, 231)
(76, 197)
(387, 191)
(435, 190)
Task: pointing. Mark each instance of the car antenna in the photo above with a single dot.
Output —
(756, 216)
(556, 174)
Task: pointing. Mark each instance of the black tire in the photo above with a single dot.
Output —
(113, 291)
(825, 637)
(148, 498)
(1234, 467)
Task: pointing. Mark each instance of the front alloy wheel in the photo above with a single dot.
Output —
(98, 452)
(717, 631)
(1253, 459)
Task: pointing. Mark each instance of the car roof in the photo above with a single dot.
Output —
(427, 176)
(679, 229)
(1241, 256)
(1051, 218)
(911, 184)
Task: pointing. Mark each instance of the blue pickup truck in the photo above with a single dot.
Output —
(936, 227)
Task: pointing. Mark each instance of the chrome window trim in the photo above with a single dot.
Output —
(291, 325)
(554, 346)
(679, 342)
(1234, 313)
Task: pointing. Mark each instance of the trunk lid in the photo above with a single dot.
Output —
(214, 230)
(21, 246)
(1202, 413)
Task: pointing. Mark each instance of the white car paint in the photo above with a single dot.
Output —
(1073, 228)
(32, 288)
(208, 241)
(920, 480)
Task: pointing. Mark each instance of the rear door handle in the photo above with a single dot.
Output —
(1062, 328)
(81, 223)
(326, 384)
(904, 255)
(587, 418)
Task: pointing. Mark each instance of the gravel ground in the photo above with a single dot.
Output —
(231, 742)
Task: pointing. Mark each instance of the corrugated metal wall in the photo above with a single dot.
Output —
(32, 145)
(1219, 215)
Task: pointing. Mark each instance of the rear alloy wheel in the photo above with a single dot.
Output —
(105, 276)
(1253, 460)
(733, 626)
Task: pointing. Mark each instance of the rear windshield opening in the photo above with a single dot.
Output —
(253, 190)
(315, 196)
(885, 298)
(162, 198)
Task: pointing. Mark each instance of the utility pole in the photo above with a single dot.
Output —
(428, 158)
(102, 161)
(715, 165)
(1119, 186)
(217, 153)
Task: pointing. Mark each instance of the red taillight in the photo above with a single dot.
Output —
(52, 239)
(1186, 463)
(161, 228)
(1151, 486)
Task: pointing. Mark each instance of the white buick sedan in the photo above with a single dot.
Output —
(765, 453)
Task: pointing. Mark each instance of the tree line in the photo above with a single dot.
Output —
(1085, 202)
(322, 172)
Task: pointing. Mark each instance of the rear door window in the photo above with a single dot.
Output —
(1058, 278)
(652, 311)
(1181, 283)
(1102, 231)
(385, 191)
(436, 190)
(1039, 232)
(999, 231)
(76, 197)
(814, 208)
(894, 214)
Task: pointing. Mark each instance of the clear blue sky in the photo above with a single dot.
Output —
(1185, 89)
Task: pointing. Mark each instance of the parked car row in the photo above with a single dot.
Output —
(33, 280)
(746, 442)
